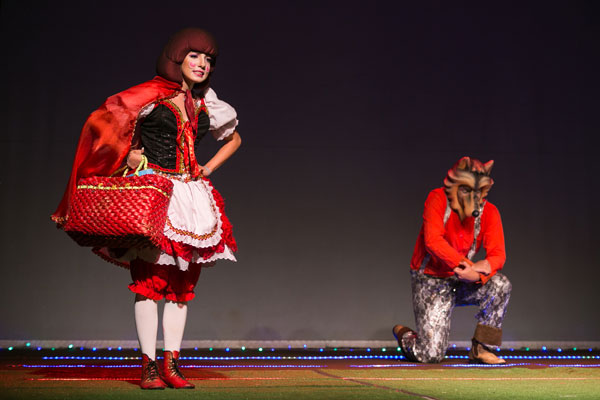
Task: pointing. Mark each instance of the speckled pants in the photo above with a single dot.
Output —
(433, 302)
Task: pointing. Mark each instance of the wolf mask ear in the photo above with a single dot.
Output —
(464, 163)
(487, 167)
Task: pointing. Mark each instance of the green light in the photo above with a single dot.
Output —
(260, 349)
(70, 346)
(383, 349)
(243, 348)
(10, 348)
(210, 349)
(574, 348)
(335, 349)
(398, 349)
(526, 348)
(28, 344)
(52, 349)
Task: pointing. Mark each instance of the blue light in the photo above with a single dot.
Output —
(39, 348)
(227, 350)
(94, 349)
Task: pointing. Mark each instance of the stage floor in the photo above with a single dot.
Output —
(301, 374)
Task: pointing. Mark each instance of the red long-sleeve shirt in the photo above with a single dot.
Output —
(450, 244)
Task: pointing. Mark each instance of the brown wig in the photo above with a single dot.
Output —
(180, 44)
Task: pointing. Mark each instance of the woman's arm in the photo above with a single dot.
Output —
(232, 143)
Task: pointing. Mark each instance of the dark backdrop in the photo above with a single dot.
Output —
(350, 113)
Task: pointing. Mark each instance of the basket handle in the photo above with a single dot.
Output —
(141, 166)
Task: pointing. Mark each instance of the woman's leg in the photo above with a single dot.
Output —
(146, 323)
(174, 317)
(147, 280)
(179, 291)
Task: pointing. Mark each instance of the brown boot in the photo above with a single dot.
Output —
(171, 374)
(399, 331)
(480, 353)
(150, 377)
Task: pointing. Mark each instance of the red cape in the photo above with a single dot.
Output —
(106, 136)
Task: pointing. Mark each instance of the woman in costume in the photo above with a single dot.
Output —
(164, 120)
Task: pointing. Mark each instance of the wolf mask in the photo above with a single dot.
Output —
(467, 184)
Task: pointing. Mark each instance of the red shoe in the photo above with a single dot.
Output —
(150, 377)
(171, 374)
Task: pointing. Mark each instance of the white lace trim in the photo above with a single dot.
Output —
(183, 265)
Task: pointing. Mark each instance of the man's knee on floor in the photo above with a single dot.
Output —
(432, 358)
(431, 354)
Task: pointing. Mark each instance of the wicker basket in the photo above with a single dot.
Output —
(119, 212)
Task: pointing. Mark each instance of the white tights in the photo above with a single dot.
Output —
(146, 322)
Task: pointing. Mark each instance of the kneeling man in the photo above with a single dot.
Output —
(457, 222)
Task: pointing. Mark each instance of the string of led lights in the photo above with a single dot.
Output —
(305, 366)
(305, 358)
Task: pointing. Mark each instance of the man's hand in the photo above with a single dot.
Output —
(466, 273)
(483, 266)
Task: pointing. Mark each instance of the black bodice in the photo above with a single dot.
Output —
(158, 133)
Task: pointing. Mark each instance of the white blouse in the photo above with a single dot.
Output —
(223, 117)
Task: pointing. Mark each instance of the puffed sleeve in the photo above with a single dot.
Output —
(223, 118)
